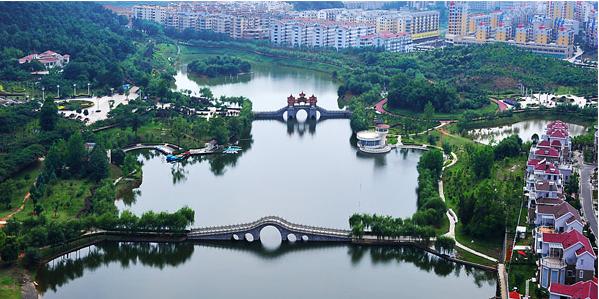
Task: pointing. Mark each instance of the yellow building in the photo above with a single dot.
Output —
(503, 32)
(542, 35)
(560, 9)
(475, 20)
(565, 37)
(482, 32)
(494, 19)
(521, 34)
(457, 19)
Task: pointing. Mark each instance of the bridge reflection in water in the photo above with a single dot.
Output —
(65, 269)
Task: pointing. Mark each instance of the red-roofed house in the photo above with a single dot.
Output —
(566, 258)
(49, 59)
(550, 154)
(579, 290)
(562, 217)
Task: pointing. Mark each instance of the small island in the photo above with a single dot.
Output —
(219, 66)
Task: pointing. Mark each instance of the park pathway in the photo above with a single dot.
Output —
(4, 219)
(453, 218)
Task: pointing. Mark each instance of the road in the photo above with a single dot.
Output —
(586, 200)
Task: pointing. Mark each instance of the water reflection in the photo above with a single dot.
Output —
(524, 129)
(64, 269)
(300, 127)
(113, 255)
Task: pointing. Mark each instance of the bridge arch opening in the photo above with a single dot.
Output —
(305, 238)
(301, 115)
(270, 237)
(291, 238)
(236, 237)
(249, 237)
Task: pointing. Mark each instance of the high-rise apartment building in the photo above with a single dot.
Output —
(457, 19)
(318, 33)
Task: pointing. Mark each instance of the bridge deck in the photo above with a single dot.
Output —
(324, 113)
(270, 220)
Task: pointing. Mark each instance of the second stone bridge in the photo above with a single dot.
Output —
(287, 230)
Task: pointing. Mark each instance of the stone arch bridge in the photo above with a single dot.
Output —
(303, 102)
(286, 229)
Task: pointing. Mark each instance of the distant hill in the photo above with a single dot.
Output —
(95, 38)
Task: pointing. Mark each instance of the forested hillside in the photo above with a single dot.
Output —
(474, 72)
(94, 37)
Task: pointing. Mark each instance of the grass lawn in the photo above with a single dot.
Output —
(491, 107)
(489, 247)
(444, 228)
(9, 286)
(517, 276)
(159, 132)
(67, 196)
(22, 183)
(454, 139)
(467, 256)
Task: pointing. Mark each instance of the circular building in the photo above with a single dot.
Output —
(372, 142)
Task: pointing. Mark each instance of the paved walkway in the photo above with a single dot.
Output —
(502, 106)
(453, 218)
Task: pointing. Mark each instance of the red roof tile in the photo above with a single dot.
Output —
(550, 152)
(579, 290)
(569, 239)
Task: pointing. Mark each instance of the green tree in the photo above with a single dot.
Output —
(446, 148)
(55, 159)
(573, 184)
(432, 160)
(130, 165)
(482, 161)
(10, 251)
(7, 188)
(429, 111)
(179, 127)
(48, 115)
(97, 167)
(75, 153)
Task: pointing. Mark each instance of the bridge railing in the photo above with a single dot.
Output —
(269, 220)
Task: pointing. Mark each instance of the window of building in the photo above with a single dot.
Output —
(580, 274)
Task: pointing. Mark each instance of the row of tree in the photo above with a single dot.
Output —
(219, 66)
(485, 198)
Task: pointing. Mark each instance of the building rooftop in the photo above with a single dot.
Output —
(559, 210)
(579, 290)
(570, 239)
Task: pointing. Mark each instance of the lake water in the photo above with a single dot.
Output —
(524, 129)
(308, 173)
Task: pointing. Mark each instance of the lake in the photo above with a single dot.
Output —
(306, 172)
(524, 129)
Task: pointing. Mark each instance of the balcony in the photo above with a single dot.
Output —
(553, 262)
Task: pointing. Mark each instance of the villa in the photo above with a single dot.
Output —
(566, 258)
(49, 59)
(579, 290)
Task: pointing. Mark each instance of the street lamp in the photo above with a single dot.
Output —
(43, 93)
(58, 93)
(74, 89)
(111, 91)
(88, 89)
